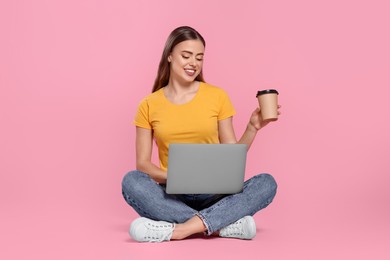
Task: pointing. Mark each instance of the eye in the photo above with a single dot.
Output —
(199, 59)
(185, 56)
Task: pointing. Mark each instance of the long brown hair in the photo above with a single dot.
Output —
(177, 36)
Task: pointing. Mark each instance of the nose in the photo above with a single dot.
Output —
(193, 61)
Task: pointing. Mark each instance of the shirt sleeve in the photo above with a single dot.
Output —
(226, 107)
(142, 116)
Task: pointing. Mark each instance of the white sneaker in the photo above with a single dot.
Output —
(147, 230)
(244, 228)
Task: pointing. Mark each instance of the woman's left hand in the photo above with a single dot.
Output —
(256, 120)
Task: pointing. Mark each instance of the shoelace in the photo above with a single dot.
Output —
(235, 229)
(158, 232)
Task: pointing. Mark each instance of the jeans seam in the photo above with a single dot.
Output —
(135, 205)
(265, 204)
(205, 222)
(210, 229)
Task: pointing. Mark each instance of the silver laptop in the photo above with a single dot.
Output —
(206, 168)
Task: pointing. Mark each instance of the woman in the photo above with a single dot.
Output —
(184, 109)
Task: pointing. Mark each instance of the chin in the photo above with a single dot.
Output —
(189, 79)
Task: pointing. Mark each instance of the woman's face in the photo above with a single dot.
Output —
(186, 60)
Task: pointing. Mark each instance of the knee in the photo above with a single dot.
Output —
(267, 183)
(271, 182)
(130, 181)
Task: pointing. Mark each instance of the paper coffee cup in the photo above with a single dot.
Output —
(268, 102)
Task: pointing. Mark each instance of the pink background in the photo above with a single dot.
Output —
(71, 76)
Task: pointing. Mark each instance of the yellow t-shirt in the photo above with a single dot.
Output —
(192, 122)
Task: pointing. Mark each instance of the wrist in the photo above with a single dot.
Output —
(252, 128)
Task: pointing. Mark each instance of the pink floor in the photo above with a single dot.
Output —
(78, 229)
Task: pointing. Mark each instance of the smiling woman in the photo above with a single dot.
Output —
(184, 109)
(186, 61)
(177, 36)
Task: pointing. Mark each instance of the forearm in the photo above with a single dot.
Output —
(248, 136)
(156, 173)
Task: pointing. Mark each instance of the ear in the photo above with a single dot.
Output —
(169, 58)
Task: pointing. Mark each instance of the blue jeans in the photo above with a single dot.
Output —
(150, 200)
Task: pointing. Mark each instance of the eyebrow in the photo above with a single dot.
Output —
(189, 52)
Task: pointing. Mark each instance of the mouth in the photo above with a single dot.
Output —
(190, 72)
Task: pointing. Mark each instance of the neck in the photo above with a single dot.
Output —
(180, 87)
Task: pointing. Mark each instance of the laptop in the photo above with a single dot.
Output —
(206, 168)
